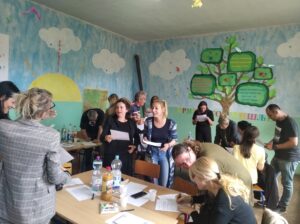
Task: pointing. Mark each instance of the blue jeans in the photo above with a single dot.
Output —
(287, 170)
(161, 158)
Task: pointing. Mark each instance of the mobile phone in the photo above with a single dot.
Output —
(139, 194)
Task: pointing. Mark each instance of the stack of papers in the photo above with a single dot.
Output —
(133, 188)
(166, 203)
(81, 193)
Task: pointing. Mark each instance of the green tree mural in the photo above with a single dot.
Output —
(228, 75)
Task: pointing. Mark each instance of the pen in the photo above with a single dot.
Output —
(127, 210)
(93, 195)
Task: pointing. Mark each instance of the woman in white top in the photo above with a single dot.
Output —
(249, 154)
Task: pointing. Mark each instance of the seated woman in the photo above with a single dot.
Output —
(186, 153)
(225, 200)
(249, 154)
(123, 148)
(7, 89)
(30, 157)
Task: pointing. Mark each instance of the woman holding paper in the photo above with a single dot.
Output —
(203, 118)
(161, 130)
(30, 161)
(120, 137)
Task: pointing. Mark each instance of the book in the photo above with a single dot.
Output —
(108, 207)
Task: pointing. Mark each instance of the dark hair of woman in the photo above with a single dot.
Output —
(248, 139)
(243, 125)
(180, 148)
(202, 103)
(7, 89)
(127, 105)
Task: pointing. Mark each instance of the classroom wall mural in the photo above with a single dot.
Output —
(4, 56)
(229, 75)
(109, 62)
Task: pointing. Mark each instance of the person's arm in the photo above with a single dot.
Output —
(234, 135)
(210, 117)
(106, 129)
(291, 143)
(55, 173)
(100, 129)
(218, 136)
(194, 119)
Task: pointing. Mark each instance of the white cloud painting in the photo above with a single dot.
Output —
(291, 48)
(109, 62)
(169, 65)
(62, 40)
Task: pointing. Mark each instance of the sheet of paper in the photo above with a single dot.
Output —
(88, 144)
(168, 205)
(201, 118)
(168, 196)
(72, 182)
(229, 149)
(119, 135)
(64, 156)
(138, 201)
(126, 218)
(66, 145)
(157, 144)
(133, 188)
(81, 193)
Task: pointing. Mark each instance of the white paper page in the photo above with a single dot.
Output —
(133, 188)
(81, 193)
(72, 182)
(201, 118)
(138, 201)
(168, 196)
(119, 135)
(127, 218)
(168, 205)
(66, 145)
(88, 143)
(64, 156)
(157, 144)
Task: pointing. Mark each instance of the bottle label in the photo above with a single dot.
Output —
(107, 186)
(117, 181)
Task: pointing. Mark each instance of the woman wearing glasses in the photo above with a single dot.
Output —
(30, 166)
(225, 200)
(7, 89)
(186, 153)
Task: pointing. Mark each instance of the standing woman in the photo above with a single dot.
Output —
(203, 118)
(7, 89)
(161, 129)
(30, 161)
(123, 148)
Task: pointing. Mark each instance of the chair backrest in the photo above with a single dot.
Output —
(184, 186)
(270, 217)
(146, 169)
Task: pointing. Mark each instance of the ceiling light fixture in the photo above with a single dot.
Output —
(197, 3)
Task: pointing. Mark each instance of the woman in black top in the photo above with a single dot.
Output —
(123, 148)
(225, 200)
(203, 118)
(7, 89)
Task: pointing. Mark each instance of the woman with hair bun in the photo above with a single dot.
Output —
(30, 161)
(225, 200)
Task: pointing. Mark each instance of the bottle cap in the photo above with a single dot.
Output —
(98, 157)
(108, 168)
(117, 156)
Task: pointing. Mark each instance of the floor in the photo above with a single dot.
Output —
(293, 212)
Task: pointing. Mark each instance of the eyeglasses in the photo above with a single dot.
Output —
(53, 105)
(186, 160)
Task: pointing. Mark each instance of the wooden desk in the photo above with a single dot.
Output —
(87, 211)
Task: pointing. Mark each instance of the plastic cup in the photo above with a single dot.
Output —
(123, 189)
(152, 194)
(123, 200)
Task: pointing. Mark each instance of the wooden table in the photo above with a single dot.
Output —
(87, 211)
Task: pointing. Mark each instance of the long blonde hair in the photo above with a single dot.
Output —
(33, 103)
(207, 169)
(163, 105)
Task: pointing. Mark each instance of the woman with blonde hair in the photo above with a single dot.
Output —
(225, 200)
(162, 130)
(30, 161)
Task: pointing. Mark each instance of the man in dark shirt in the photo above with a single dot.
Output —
(287, 152)
(91, 129)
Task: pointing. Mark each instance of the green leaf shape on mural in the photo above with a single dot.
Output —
(270, 82)
(272, 93)
(202, 84)
(259, 60)
(245, 77)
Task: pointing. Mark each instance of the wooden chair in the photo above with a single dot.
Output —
(184, 186)
(143, 168)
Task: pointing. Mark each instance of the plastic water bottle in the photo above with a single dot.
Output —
(190, 136)
(63, 134)
(116, 166)
(96, 176)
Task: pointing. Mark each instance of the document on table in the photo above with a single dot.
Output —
(168, 196)
(126, 218)
(64, 156)
(81, 193)
(72, 182)
(119, 135)
(157, 144)
(201, 118)
(168, 205)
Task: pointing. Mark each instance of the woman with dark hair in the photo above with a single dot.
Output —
(124, 148)
(249, 154)
(7, 89)
(203, 118)
(241, 126)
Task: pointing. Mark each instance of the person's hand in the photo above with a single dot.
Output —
(231, 144)
(131, 148)
(269, 145)
(52, 113)
(96, 141)
(108, 138)
(183, 199)
(165, 147)
(186, 209)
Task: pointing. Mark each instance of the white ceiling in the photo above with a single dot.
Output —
(143, 20)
